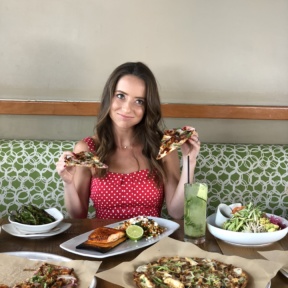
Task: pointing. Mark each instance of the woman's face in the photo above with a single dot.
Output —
(128, 103)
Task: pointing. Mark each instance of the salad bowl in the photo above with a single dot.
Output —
(246, 238)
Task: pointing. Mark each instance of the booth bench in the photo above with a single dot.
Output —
(233, 172)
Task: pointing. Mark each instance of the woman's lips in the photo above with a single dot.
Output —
(125, 116)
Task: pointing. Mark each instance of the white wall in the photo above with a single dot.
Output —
(210, 52)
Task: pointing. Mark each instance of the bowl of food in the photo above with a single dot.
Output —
(251, 227)
(30, 219)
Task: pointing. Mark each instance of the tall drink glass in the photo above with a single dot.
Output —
(195, 212)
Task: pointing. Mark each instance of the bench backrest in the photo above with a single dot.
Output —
(233, 172)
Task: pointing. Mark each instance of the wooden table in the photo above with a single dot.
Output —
(10, 243)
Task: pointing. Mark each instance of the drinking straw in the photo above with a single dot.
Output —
(188, 169)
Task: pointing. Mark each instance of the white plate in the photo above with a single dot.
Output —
(9, 228)
(284, 273)
(41, 256)
(246, 239)
(124, 247)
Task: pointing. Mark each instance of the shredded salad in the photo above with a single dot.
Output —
(251, 219)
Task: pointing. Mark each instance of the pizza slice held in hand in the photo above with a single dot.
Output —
(173, 139)
(86, 159)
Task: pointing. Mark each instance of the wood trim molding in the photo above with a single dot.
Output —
(169, 110)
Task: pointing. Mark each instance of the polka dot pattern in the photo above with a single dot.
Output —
(120, 195)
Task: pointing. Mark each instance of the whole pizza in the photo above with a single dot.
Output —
(192, 272)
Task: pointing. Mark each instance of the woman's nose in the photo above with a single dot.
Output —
(126, 106)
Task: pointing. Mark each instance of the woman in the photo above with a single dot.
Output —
(127, 139)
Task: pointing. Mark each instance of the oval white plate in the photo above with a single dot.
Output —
(246, 239)
(10, 229)
(41, 256)
(126, 246)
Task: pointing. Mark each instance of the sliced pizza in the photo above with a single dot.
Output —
(184, 272)
(173, 139)
(50, 276)
(84, 158)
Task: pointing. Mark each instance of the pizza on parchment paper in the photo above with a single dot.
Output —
(192, 272)
(48, 276)
(85, 158)
(173, 139)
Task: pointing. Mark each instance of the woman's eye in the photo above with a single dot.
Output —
(140, 102)
(120, 95)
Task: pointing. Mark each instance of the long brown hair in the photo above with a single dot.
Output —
(148, 131)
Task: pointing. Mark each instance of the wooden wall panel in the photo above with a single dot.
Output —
(170, 110)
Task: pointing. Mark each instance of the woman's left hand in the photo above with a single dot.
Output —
(192, 146)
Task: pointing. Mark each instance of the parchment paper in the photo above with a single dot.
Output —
(246, 251)
(279, 256)
(260, 271)
(12, 269)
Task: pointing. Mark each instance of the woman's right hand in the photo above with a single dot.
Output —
(66, 173)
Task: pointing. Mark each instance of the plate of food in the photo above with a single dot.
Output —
(249, 226)
(113, 239)
(41, 270)
(32, 219)
(12, 230)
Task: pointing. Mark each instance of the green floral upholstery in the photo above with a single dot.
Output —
(28, 175)
(233, 173)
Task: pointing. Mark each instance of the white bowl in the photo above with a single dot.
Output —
(243, 238)
(26, 228)
(224, 212)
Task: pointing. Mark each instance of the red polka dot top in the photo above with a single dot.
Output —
(121, 196)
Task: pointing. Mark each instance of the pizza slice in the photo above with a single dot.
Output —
(51, 275)
(85, 158)
(173, 139)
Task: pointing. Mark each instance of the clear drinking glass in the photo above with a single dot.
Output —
(195, 212)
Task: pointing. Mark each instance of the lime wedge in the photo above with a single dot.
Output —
(134, 232)
(202, 192)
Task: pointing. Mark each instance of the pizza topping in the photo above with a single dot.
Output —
(173, 139)
(182, 272)
(84, 158)
(50, 276)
